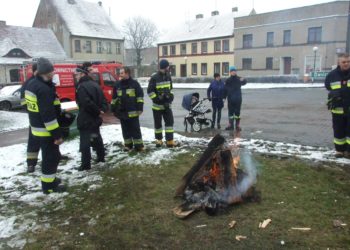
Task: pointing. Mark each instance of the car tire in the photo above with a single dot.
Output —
(6, 106)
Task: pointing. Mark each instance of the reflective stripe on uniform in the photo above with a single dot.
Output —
(158, 107)
(163, 85)
(335, 85)
(119, 92)
(138, 141)
(23, 101)
(139, 99)
(152, 95)
(158, 131)
(236, 117)
(131, 92)
(30, 96)
(52, 125)
(48, 178)
(340, 141)
(348, 140)
(133, 114)
(127, 141)
(32, 155)
(57, 102)
(338, 111)
(169, 130)
(41, 132)
(114, 101)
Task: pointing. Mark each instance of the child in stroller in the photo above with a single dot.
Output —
(197, 110)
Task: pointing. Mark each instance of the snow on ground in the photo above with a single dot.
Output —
(24, 190)
(11, 121)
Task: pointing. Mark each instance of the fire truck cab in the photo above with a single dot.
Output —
(105, 74)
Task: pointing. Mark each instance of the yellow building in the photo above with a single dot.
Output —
(201, 47)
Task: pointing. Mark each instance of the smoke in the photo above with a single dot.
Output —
(250, 168)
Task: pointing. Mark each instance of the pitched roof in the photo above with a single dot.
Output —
(34, 42)
(199, 29)
(86, 19)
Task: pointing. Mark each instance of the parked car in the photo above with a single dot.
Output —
(10, 97)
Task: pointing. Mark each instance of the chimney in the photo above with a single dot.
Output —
(2, 23)
(235, 9)
(100, 3)
(199, 16)
(71, 1)
(215, 13)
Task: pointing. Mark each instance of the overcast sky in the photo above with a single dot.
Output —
(164, 13)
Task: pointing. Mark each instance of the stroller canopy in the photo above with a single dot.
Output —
(187, 100)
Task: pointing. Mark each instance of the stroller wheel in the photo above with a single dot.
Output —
(197, 126)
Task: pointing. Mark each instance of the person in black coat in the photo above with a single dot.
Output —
(215, 94)
(233, 93)
(127, 106)
(92, 104)
(337, 82)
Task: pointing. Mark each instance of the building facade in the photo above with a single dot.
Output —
(19, 45)
(201, 47)
(83, 28)
(291, 42)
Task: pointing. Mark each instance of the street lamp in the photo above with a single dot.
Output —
(315, 49)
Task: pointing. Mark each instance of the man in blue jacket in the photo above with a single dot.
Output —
(233, 93)
(215, 93)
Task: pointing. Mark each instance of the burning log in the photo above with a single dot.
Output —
(215, 181)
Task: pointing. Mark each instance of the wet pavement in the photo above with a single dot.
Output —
(295, 116)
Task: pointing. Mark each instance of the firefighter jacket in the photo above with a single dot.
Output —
(160, 90)
(43, 108)
(338, 84)
(127, 100)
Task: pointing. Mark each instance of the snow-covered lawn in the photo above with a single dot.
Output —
(22, 191)
(10, 121)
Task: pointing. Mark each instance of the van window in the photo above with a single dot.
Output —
(108, 79)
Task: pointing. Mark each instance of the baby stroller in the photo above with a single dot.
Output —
(197, 110)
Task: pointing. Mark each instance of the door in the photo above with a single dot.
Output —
(183, 70)
(287, 68)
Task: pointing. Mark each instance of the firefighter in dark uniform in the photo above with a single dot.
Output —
(233, 93)
(40, 97)
(338, 84)
(92, 104)
(160, 91)
(33, 145)
(127, 106)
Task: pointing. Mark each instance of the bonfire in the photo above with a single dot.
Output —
(215, 181)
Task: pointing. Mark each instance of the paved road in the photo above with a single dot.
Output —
(287, 115)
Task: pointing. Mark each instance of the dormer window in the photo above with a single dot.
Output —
(18, 53)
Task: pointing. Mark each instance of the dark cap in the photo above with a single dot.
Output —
(44, 66)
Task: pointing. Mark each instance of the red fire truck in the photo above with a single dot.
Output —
(106, 74)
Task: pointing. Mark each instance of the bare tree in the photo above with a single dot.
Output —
(140, 33)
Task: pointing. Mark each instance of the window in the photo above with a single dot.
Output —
(217, 46)
(165, 50)
(172, 70)
(118, 49)
(204, 47)
(247, 41)
(287, 37)
(216, 68)
(269, 39)
(247, 63)
(315, 35)
(77, 46)
(108, 79)
(194, 68)
(99, 47)
(14, 75)
(109, 47)
(226, 45)
(225, 68)
(204, 69)
(183, 49)
(88, 47)
(173, 50)
(194, 48)
(269, 62)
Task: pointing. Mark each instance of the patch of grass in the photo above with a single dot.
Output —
(132, 210)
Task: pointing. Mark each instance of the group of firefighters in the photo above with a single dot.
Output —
(47, 120)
